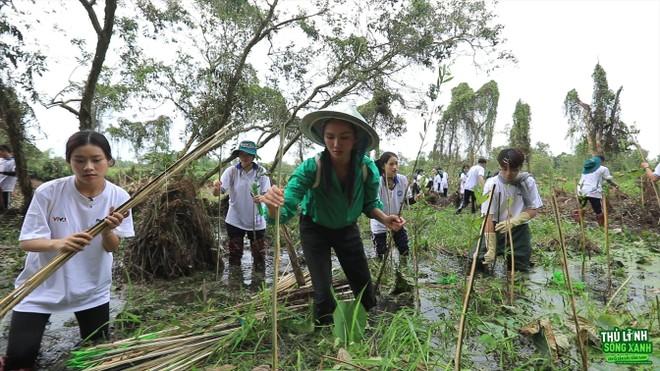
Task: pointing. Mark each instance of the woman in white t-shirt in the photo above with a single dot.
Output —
(245, 182)
(59, 214)
(392, 192)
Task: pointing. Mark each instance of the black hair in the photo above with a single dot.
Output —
(512, 158)
(382, 161)
(601, 157)
(85, 137)
(4, 147)
(326, 164)
(482, 160)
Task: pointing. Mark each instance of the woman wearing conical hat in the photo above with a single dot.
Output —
(332, 190)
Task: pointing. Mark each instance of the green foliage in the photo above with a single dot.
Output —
(468, 122)
(519, 135)
(350, 320)
(144, 136)
(600, 123)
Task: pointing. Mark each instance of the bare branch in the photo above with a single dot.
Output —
(92, 16)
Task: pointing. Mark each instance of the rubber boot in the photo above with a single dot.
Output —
(258, 248)
(235, 248)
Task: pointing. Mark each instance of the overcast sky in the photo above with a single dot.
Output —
(557, 44)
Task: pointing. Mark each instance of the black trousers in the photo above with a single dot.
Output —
(316, 242)
(4, 203)
(596, 204)
(468, 197)
(27, 329)
(400, 240)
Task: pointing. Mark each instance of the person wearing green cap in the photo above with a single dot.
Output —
(331, 190)
(590, 187)
(245, 182)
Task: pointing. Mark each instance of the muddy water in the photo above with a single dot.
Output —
(61, 335)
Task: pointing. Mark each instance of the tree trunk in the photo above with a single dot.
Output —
(85, 115)
(11, 114)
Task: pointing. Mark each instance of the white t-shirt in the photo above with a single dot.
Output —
(591, 185)
(472, 178)
(657, 170)
(243, 212)
(392, 200)
(58, 210)
(461, 188)
(503, 192)
(445, 180)
(8, 182)
(437, 183)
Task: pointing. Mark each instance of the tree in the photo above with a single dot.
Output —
(18, 68)
(12, 115)
(86, 112)
(519, 134)
(468, 122)
(599, 124)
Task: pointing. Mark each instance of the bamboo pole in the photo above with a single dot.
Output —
(19, 293)
(218, 258)
(569, 286)
(466, 299)
(583, 237)
(641, 188)
(617, 291)
(607, 244)
(293, 258)
(512, 285)
(276, 258)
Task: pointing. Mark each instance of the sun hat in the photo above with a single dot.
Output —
(312, 125)
(590, 165)
(246, 146)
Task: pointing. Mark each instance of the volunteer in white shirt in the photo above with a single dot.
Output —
(444, 183)
(245, 182)
(7, 176)
(590, 187)
(59, 214)
(652, 175)
(474, 177)
(515, 202)
(437, 182)
(392, 193)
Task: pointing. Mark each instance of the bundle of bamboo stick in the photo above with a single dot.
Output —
(186, 346)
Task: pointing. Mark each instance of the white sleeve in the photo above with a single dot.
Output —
(535, 197)
(657, 170)
(264, 184)
(125, 229)
(606, 174)
(481, 171)
(225, 179)
(484, 206)
(35, 224)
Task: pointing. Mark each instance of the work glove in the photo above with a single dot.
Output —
(491, 247)
(506, 225)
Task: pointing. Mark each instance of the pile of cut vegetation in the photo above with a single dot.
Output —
(173, 235)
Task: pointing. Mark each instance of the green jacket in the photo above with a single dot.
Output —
(330, 209)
